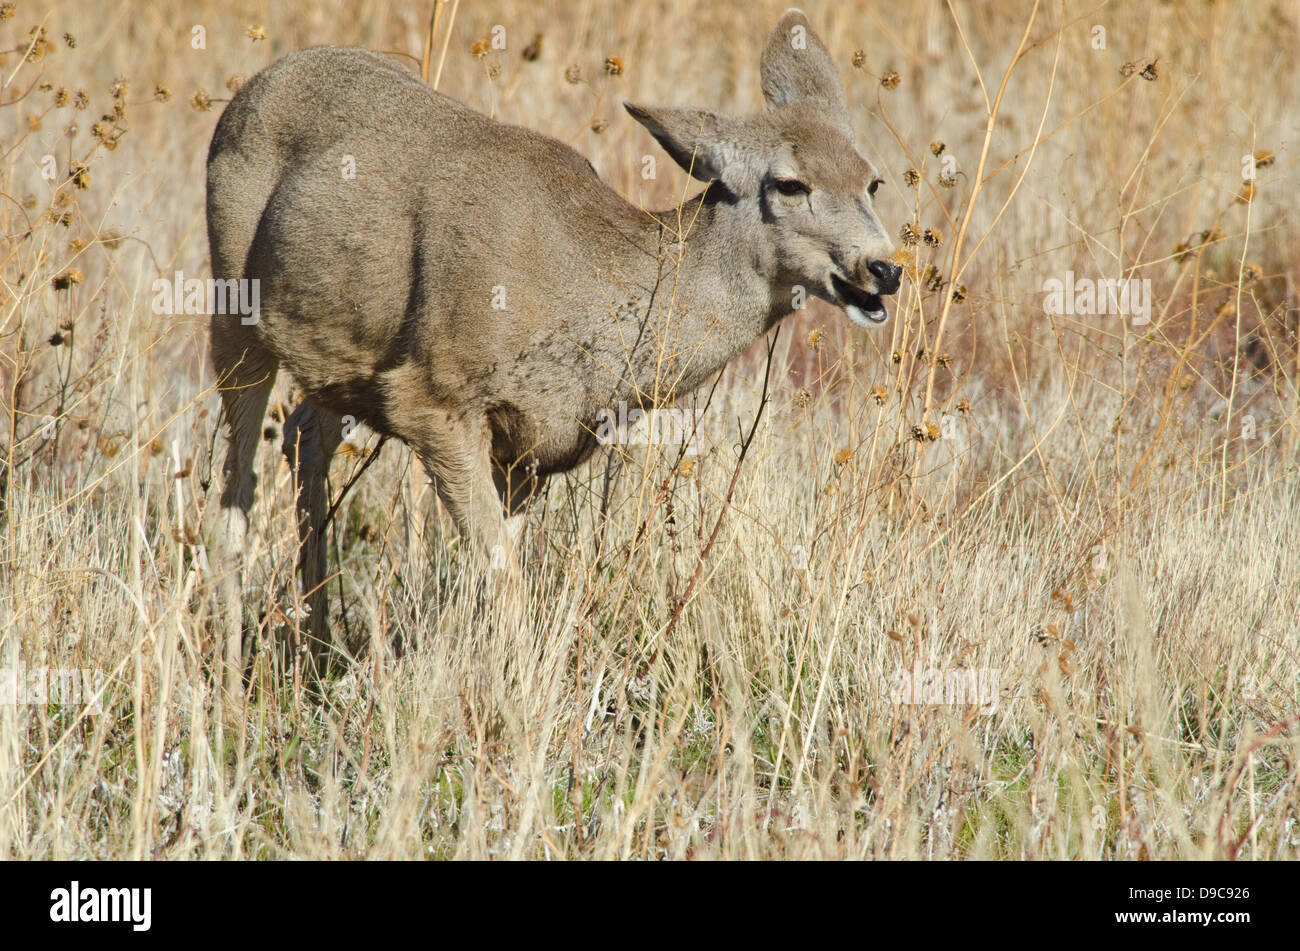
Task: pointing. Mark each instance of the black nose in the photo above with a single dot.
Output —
(886, 276)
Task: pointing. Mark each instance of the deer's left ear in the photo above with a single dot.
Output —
(708, 146)
(796, 67)
(693, 137)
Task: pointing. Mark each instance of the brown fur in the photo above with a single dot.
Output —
(377, 291)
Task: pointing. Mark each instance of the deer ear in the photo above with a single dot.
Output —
(795, 67)
(690, 136)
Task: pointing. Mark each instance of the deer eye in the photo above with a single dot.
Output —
(871, 189)
(791, 186)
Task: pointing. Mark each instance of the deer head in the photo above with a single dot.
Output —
(795, 171)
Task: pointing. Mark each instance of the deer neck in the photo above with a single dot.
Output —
(706, 294)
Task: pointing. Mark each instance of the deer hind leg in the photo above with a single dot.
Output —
(312, 435)
(245, 376)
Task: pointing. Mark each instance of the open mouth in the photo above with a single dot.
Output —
(864, 309)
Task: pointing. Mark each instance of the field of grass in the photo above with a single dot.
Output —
(1071, 533)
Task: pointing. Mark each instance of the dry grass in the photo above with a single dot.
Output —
(1097, 514)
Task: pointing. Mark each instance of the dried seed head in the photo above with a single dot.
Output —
(959, 293)
(1263, 159)
(117, 89)
(6, 11)
(911, 178)
(599, 125)
(200, 100)
(859, 59)
(613, 66)
(814, 338)
(1251, 271)
(79, 175)
(890, 79)
(944, 360)
(69, 41)
(1247, 193)
(1128, 69)
(256, 33)
(533, 49)
(81, 100)
(62, 98)
(161, 93)
(843, 456)
(880, 395)
(896, 356)
(908, 234)
(802, 397)
(933, 279)
(37, 45)
(479, 48)
(948, 181)
(67, 279)
(235, 82)
(963, 406)
(937, 147)
(1150, 72)
(573, 75)
(933, 238)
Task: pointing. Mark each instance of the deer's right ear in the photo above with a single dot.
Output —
(690, 136)
(795, 66)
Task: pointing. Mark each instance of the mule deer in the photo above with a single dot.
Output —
(476, 291)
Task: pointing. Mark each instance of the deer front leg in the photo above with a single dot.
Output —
(517, 485)
(458, 461)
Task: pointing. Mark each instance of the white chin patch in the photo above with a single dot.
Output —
(866, 318)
